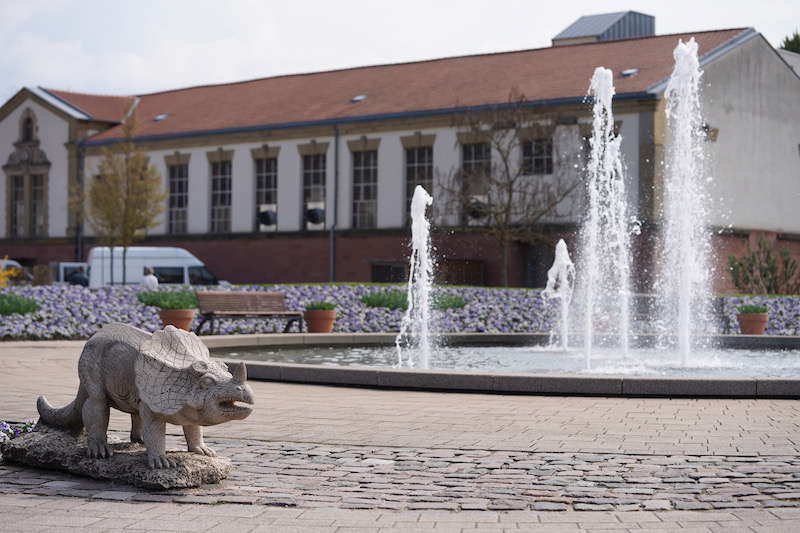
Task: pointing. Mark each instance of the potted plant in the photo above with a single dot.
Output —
(177, 308)
(752, 319)
(319, 317)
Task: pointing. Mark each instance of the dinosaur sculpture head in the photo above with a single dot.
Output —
(175, 375)
(221, 393)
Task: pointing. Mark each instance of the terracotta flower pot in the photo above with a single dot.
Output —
(752, 323)
(318, 321)
(180, 318)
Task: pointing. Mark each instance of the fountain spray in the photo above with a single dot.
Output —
(606, 235)
(414, 329)
(683, 283)
(560, 282)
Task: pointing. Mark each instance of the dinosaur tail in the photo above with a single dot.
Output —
(67, 417)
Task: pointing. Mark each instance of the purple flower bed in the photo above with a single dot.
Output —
(72, 312)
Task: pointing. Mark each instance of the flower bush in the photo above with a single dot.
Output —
(13, 430)
(75, 312)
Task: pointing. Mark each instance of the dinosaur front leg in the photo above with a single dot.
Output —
(95, 414)
(153, 436)
(136, 428)
(194, 441)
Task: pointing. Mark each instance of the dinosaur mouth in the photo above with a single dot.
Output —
(234, 406)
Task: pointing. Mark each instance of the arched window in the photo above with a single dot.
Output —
(27, 129)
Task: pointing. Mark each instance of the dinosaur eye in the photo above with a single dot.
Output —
(208, 380)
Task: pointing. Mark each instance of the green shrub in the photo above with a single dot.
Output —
(12, 304)
(399, 300)
(169, 299)
(745, 309)
(762, 271)
(448, 301)
(388, 299)
(320, 306)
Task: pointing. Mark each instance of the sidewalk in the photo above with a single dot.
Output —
(320, 458)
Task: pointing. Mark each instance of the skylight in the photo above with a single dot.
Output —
(628, 72)
(159, 118)
(359, 98)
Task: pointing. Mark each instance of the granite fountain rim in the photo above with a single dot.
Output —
(505, 383)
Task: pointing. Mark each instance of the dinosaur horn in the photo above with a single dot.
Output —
(239, 372)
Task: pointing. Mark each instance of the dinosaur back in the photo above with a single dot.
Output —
(164, 374)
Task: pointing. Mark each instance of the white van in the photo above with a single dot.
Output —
(170, 265)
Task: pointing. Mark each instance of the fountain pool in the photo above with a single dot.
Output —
(706, 362)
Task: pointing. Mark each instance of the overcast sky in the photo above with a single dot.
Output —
(113, 47)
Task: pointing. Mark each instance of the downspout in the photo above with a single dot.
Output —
(81, 213)
(335, 214)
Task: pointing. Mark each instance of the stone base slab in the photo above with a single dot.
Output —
(54, 449)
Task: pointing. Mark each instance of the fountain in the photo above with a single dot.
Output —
(605, 234)
(684, 267)
(560, 282)
(415, 327)
(738, 367)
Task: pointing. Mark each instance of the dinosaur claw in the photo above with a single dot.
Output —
(159, 461)
(99, 450)
(203, 450)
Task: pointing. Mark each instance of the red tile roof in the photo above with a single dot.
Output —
(540, 74)
(98, 106)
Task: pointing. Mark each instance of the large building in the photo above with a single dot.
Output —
(307, 177)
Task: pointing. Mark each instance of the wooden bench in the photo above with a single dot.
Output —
(244, 304)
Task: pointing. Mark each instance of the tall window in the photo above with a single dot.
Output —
(365, 189)
(537, 157)
(476, 166)
(27, 129)
(221, 197)
(266, 182)
(313, 183)
(37, 221)
(178, 198)
(17, 215)
(419, 171)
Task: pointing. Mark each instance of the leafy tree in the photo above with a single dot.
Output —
(126, 197)
(792, 42)
(510, 198)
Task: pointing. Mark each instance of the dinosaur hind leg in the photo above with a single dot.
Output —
(95, 419)
(136, 428)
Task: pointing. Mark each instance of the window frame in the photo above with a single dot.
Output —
(178, 193)
(265, 182)
(414, 166)
(221, 197)
(364, 199)
(311, 191)
(537, 156)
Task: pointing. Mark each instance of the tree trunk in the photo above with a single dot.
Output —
(505, 245)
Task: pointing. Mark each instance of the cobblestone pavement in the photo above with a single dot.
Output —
(331, 459)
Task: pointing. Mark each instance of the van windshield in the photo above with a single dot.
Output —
(201, 276)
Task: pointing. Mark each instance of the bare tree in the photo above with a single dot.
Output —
(519, 169)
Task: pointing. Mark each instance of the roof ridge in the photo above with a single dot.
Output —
(418, 61)
(50, 89)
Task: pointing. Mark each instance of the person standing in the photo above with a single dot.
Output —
(149, 281)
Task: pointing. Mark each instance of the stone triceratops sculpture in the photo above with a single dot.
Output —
(164, 377)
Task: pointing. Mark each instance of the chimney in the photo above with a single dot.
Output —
(607, 27)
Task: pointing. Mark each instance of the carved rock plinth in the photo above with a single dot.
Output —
(57, 449)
